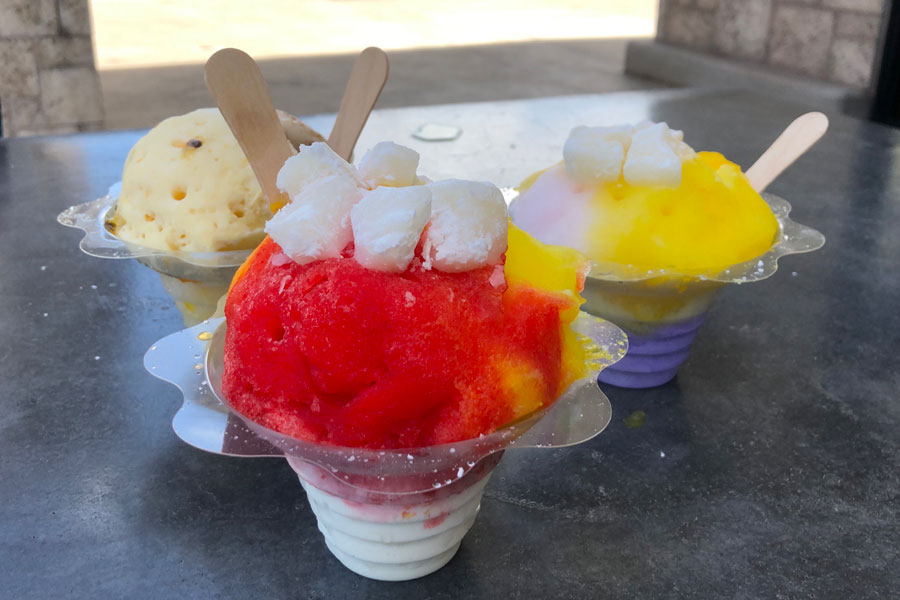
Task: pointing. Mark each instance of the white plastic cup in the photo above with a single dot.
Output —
(389, 536)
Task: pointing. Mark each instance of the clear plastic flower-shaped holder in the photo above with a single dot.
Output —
(195, 280)
(386, 514)
(662, 310)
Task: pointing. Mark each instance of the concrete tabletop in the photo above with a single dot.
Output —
(769, 468)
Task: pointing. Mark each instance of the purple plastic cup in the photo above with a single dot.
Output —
(661, 310)
(661, 317)
(654, 359)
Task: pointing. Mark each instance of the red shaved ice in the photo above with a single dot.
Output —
(334, 353)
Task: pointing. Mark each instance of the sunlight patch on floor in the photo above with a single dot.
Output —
(130, 33)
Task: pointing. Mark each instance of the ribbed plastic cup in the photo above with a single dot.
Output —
(394, 537)
(389, 514)
(661, 318)
(654, 359)
(661, 310)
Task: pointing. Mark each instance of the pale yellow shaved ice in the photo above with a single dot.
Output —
(187, 186)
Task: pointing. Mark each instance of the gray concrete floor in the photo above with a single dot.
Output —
(140, 97)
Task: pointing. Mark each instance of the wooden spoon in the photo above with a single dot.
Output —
(369, 74)
(237, 85)
(793, 142)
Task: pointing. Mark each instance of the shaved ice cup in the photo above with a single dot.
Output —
(662, 311)
(195, 280)
(392, 514)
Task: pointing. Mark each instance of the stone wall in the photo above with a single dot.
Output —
(828, 40)
(48, 83)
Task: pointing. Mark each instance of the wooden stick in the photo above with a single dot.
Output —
(793, 142)
(367, 79)
(239, 90)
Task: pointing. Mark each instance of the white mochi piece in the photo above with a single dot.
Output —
(387, 224)
(674, 137)
(316, 224)
(468, 228)
(595, 154)
(619, 133)
(312, 162)
(682, 150)
(651, 159)
(389, 164)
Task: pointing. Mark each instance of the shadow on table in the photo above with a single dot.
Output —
(232, 524)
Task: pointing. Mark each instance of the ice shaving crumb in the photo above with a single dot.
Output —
(43, 267)
(284, 281)
(410, 299)
(498, 277)
(280, 259)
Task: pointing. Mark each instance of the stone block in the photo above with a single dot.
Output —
(64, 52)
(708, 4)
(50, 129)
(852, 61)
(21, 113)
(857, 25)
(6, 113)
(689, 27)
(71, 95)
(875, 7)
(23, 18)
(801, 39)
(687, 68)
(18, 69)
(742, 28)
(75, 16)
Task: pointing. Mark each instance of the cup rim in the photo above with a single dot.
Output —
(792, 238)
(205, 421)
(98, 241)
(615, 348)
